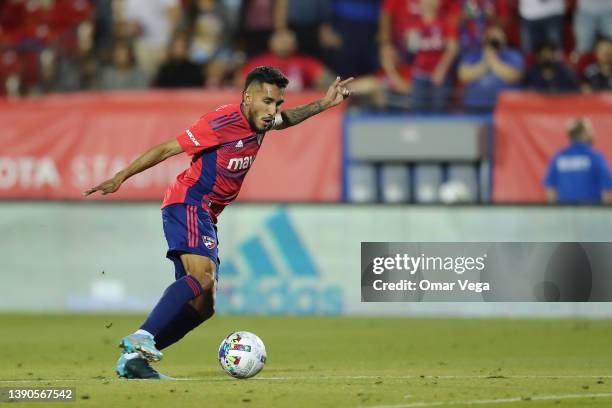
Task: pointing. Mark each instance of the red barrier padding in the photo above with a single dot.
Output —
(55, 147)
(530, 128)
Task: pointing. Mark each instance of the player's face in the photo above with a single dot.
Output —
(262, 103)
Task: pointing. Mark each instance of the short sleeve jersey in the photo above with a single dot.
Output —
(224, 147)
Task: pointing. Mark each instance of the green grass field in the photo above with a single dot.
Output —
(324, 362)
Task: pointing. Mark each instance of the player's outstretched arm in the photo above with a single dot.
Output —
(336, 93)
(148, 159)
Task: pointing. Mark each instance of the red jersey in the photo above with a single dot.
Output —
(405, 13)
(429, 41)
(301, 70)
(223, 147)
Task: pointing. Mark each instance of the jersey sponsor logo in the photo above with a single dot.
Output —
(209, 242)
(239, 144)
(240, 163)
(192, 137)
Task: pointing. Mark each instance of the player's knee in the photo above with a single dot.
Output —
(206, 279)
(203, 269)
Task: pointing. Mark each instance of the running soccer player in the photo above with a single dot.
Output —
(223, 144)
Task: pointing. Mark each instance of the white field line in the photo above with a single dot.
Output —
(327, 377)
(495, 401)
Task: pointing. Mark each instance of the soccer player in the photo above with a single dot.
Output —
(223, 144)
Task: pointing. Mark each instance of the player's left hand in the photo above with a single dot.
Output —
(106, 187)
(337, 92)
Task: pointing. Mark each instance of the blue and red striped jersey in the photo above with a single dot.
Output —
(223, 146)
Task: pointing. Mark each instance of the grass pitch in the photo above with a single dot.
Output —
(324, 362)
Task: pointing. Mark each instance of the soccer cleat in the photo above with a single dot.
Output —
(143, 344)
(137, 368)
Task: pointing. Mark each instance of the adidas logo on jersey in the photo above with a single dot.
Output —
(240, 163)
(239, 144)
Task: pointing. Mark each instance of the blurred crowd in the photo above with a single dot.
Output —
(425, 55)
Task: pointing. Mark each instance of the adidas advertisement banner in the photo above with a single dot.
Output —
(284, 259)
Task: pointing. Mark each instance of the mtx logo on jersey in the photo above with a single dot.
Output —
(209, 242)
(241, 163)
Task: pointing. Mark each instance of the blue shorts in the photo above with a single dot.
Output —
(189, 229)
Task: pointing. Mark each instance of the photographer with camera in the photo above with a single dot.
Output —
(494, 68)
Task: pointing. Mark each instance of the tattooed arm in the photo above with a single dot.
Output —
(336, 93)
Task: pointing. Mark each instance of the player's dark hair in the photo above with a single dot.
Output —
(266, 75)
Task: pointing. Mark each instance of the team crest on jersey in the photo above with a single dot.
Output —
(209, 242)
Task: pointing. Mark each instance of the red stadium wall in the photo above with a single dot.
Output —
(530, 129)
(54, 147)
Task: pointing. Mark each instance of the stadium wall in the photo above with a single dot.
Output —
(276, 259)
(54, 147)
(530, 128)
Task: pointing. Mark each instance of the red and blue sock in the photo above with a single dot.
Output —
(171, 304)
(185, 321)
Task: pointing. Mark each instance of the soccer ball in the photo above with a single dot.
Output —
(242, 354)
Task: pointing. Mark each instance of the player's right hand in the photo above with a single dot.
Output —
(106, 187)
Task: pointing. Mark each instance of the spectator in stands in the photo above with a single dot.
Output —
(549, 73)
(541, 20)
(256, 25)
(209, 25)
(123, 72)
(351, 46)
(103, 26)
(598, 76)
(591, 18)
(432, 37)
(310, 21)
(579, 173)
(179, 71)
(303, 72)
(150, 23)
(485, 73)
(396, 21)
(474, 18)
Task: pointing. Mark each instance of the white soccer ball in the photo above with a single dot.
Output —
(242, 354)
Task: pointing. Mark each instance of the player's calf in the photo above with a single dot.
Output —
(205, 305)
(204, 270)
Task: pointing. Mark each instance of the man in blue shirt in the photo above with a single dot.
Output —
(485, 73)
(579, 173)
